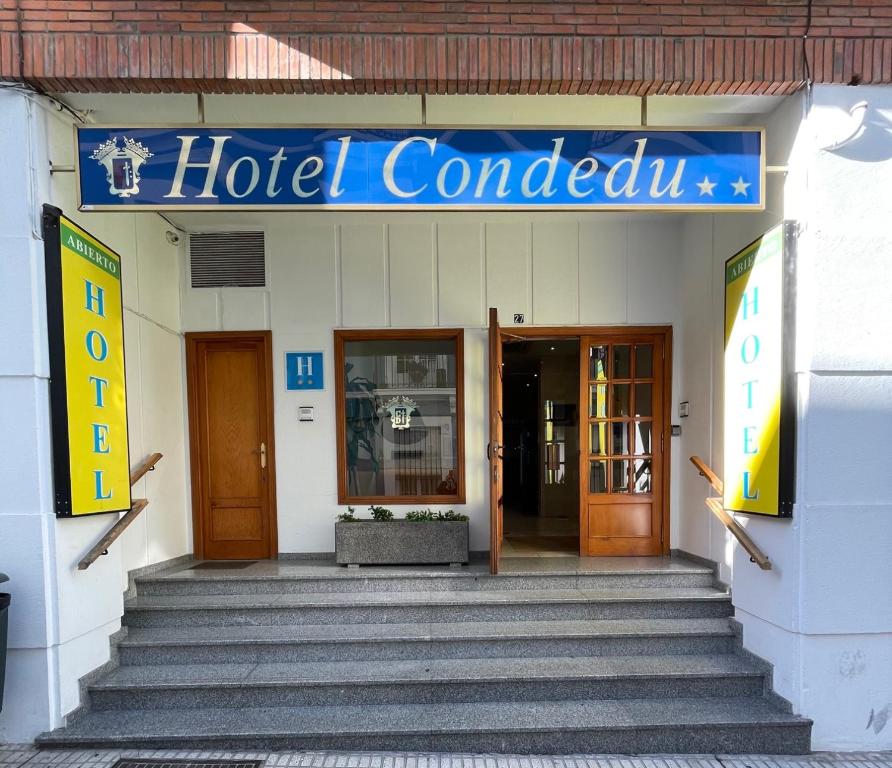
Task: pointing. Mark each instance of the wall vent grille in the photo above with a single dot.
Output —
(227, 260)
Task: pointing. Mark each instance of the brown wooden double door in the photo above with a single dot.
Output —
(232, 452)
(624, 383)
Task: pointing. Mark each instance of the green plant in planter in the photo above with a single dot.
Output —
(381, 514)
(349, 516)
(428, 515)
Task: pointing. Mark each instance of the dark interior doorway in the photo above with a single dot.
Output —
(541, 448)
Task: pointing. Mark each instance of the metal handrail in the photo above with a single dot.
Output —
(137, 506)
(717, 506)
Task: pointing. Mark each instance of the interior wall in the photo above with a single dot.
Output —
(363, 270)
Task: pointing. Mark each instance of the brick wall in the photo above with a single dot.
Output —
(434, 46)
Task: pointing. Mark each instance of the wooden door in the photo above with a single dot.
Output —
(496, 439)
(622, 469)
(232, 454)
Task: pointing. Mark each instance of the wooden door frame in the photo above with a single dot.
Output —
(192, 341)
(543, 333)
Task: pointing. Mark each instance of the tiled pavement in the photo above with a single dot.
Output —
(16, 756)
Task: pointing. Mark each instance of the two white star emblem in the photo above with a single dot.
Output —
(706, 186)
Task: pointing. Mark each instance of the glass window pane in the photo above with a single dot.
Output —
(597, 479)
(400, 417)
(644, 361)
(598, 404)
(641, 479)
(644, 400)
(621, 400)
(597, 367)
(642, 431)
(619, 476)
(620, 437)
(622, 368)
(599, 438)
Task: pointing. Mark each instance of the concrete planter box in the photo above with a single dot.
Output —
(401, 542)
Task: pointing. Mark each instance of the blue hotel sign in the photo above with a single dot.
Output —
(303, 370)
(203, 167)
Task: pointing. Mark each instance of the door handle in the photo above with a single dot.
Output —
(489, 451)
(262, 452)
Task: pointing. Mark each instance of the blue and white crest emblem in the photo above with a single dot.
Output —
(122, 165)
(400, 410)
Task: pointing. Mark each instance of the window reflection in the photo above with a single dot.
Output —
(400, 417)
(599, 401)
(621, 362)
(619, 477)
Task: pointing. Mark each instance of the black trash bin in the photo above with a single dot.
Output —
(4, 621)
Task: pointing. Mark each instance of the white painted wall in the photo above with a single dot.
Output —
(61, 618)
(823, 614)
(359, 270)
(708, 240)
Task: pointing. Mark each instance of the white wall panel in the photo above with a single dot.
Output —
(555, 272)
(603, 271)
(303, 277)
(159, 269)
(461, 272)
(582, 111)
(244, 310)
(163, 412)
(508, 269)
(363, 276)
(653, 275)
(202, 310)
(412, 271)
(314, 109)
(133, 540)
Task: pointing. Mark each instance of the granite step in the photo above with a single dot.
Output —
(307, 579)
(623, 726)
(422, 607)
(427, 681)
(514, 639)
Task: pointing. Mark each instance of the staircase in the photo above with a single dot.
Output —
(603, 658)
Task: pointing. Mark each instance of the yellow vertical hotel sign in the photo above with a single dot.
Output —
(759, 393)
(88, 395)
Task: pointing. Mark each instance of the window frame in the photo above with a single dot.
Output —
(341, 337)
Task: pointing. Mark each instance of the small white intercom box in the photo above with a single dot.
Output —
(306, 413)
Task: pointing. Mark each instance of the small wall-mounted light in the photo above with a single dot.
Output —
(836, 133)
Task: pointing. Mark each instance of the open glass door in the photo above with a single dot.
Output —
(621, 477)
(494, 449)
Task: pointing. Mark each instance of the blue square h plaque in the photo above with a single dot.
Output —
(303, 370)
